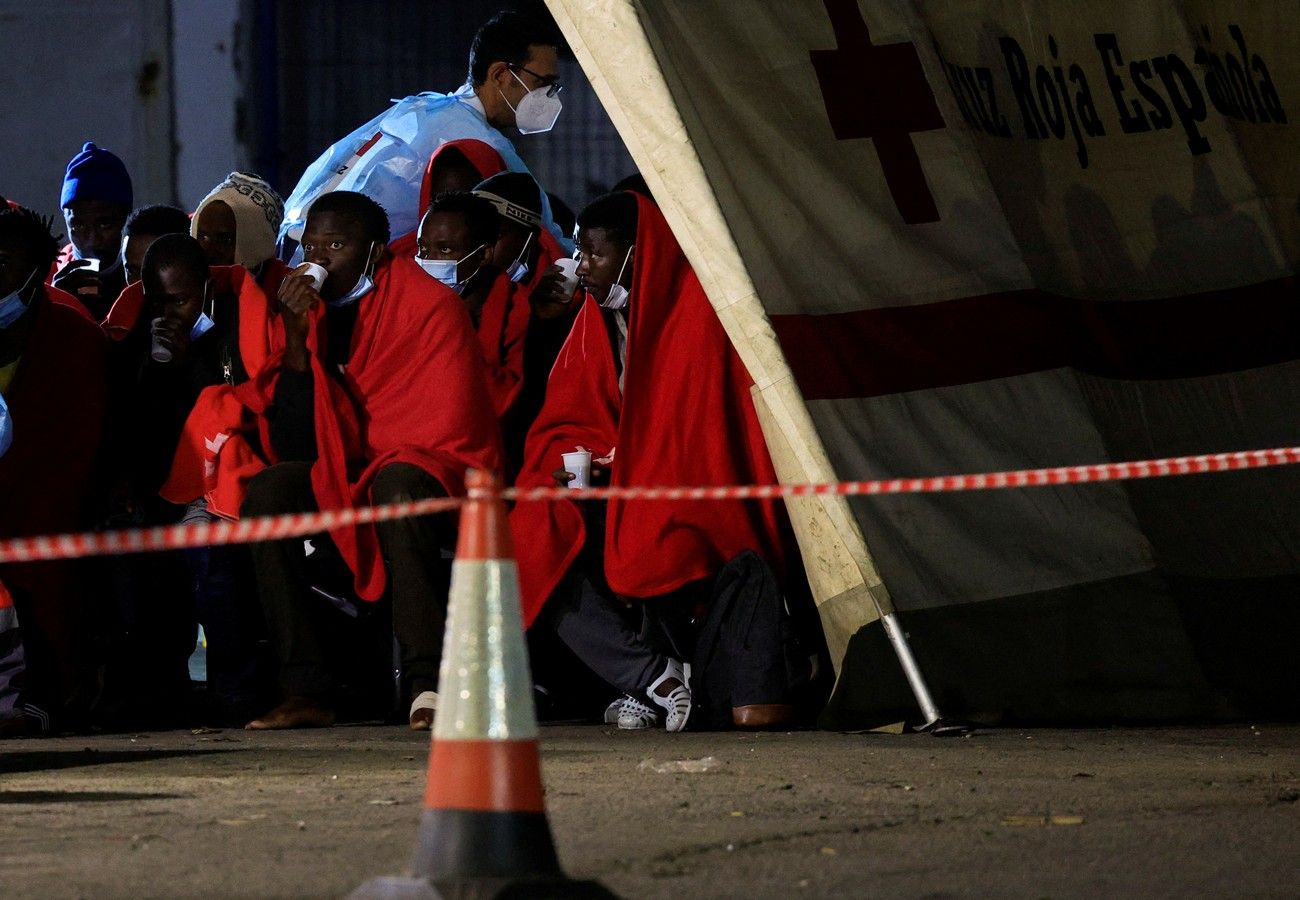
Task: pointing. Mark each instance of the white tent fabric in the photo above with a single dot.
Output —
(971, 236)
(614, 52)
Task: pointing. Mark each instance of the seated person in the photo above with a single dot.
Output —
(521, 351)
(185, 339)
(379, 345)
(454, 166)
(236, 224)
(96, 200)
(456, 239)
(489, 246)
(51, 377)
(142, 227)
(650, 384)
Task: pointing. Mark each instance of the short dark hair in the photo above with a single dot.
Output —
(32, 233)
(372, 217)
(157, 221)
(506, 38)
(172, 251)
(616, 213)
(480, 216)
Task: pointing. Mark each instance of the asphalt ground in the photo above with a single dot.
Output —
(1016, 813)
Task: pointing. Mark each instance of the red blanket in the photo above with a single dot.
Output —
(415, 378)
(57, 402)
(503, 325)
(685, 417)
(413, 391)
(480, 155)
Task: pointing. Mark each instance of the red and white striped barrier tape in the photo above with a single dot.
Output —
(180, 537)
(245, 531)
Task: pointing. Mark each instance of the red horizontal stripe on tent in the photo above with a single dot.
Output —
(888, 351)
(492, 776)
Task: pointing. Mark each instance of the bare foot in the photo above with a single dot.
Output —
(295, 712)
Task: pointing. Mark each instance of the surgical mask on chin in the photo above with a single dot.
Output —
(6, 428)
(448, 270)
(536, 112)
(13, 306)
(365, 284)
(618, 295)
(518, 270)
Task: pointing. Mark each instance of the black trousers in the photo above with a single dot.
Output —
(628, 644)
(302, 621)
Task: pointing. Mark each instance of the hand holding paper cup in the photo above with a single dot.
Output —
(578, 464)
(569, 267)
(317, 273)
(161, 351)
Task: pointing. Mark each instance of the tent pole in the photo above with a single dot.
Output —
(934, 720)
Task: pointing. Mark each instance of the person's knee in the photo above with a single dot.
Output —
(402, 483)
(277, 489)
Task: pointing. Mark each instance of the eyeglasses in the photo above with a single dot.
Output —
(552, 85)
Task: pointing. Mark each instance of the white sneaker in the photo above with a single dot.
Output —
(677, 702)
(635, 715)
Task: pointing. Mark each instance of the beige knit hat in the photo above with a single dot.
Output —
(258, 213)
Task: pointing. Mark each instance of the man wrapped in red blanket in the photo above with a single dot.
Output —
(377, 396)
(650, 385)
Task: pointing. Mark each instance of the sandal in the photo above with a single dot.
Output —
(422, 709)
(676, 702)
(634, 715)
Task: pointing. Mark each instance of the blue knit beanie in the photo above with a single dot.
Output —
(95, 174)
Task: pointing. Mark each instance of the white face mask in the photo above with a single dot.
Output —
(518, 270)
(448, 270)
(365, 284)
(618, 295)
(13, 306)
(537, 111)
(6, 428)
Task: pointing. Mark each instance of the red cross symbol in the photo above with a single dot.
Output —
(879, 92)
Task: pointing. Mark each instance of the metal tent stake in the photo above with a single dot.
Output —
(935, 723)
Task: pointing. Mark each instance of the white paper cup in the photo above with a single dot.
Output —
(317, 273)
(91, 264)
(570, 269)
(159, 351)
(578, 464)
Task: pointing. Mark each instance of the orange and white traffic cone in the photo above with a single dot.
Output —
(484, 831)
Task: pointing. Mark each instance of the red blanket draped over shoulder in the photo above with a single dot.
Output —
(481, 156)
(413, 391)
(503, 325)
(685, 417)
(415, 377)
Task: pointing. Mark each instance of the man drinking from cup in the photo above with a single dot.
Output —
(379, 397)
(649, 384)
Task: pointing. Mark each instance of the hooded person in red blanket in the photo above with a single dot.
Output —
(51, 378)
(649, 383)
(379, 396)
(489, 246)
(454, 166)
